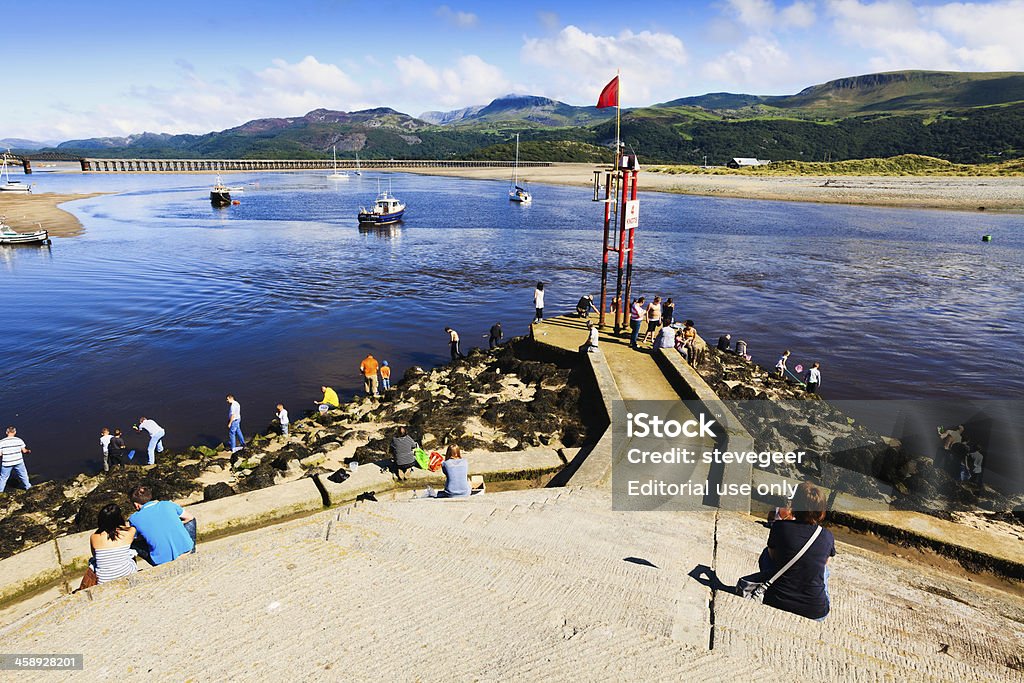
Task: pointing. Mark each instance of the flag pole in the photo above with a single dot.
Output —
(618, 108)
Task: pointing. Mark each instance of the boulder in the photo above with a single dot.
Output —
(314, 460)
(219, 490)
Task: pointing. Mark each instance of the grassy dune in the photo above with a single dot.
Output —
(903, 165)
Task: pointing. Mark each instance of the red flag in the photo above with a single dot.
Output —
(610, 95)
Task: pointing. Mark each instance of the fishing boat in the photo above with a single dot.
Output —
(386, 209)
(220, 194)
(517, 193)
(8, 185)
(9, 235)
(337, 175)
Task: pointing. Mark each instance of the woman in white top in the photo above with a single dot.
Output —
(112, 554)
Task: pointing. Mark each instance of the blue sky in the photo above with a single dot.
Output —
(78, 69)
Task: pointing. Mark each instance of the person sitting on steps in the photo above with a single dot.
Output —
(166, 531)
(403, 450)
(456, 474)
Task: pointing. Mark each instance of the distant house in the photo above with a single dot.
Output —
(744, 162)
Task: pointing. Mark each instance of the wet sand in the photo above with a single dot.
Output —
(26, 212)
(994, 193)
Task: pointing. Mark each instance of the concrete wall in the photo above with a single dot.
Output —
(729, 433)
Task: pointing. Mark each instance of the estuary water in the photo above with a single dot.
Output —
(165, 303)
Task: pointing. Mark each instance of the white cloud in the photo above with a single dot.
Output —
(799, 15)
(759, 61)
(198, 104)
(457, 18)
(581, 63)
(470, 80)
(990, 36)
(761, 16)
(959, 36)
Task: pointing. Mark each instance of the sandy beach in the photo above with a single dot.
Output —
(959, 193)
(26, 212)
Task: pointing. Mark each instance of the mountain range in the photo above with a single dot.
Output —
(959, 116)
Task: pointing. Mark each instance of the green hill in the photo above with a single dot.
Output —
(907, 91)
(958, 117)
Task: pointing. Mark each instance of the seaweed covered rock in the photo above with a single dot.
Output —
(260, 478)
(219, 490)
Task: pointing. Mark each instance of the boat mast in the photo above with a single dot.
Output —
(334, 151)
(515, 169)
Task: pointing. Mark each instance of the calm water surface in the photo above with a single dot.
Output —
(165, 304)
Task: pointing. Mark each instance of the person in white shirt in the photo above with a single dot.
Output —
(590, 345)
(453, 343)
(235, 439)
(780, 366)
(813, 378)
(12, 457)
(538, 302)
(666, 337)
(950, 437)
(282, 417)
(105, 438)
(974, 460)
(156, 437)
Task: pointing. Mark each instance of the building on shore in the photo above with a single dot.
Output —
(746, 162)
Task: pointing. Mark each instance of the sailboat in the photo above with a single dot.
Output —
(8, 185)
(518, 194)
(359, 171)
(337, 175)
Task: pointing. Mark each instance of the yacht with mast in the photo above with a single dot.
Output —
(517, 193)
(337, 175)
(8, 185)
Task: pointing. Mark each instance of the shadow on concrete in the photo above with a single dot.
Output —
(706, 576)
(640, 561)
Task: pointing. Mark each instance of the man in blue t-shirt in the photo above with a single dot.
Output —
(165, 528)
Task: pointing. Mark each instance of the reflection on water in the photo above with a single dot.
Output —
(166, 304)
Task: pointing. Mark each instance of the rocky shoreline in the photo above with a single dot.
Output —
(846, 455)
(497, 401)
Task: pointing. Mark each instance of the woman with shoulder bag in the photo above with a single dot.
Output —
(799, 551)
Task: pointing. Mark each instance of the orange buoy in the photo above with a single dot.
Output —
(235, 202)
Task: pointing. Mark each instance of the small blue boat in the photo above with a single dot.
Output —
(386, 209)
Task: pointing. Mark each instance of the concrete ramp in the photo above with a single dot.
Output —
(545, 584)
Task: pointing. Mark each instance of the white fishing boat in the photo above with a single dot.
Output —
(220, 194)
(9, 235)
(517, 193)
(386, 209)
(337, 175)
(8, 185)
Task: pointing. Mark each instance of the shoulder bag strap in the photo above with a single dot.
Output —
(810, 542)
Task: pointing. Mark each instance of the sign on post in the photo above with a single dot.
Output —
(632, 213)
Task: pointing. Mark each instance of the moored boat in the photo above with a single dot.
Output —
(386, 209)
(337, 175)
(9, 235)
(8, 185)
(517, 193)
(220, 194)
